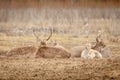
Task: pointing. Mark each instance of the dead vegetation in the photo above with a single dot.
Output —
(73, 22)
(114, 39)
(61, 69)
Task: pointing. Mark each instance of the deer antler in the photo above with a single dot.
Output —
(50, 35)
(38, 39)
(97, 40)
(98, 37)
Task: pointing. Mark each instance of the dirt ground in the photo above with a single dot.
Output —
(60, 69)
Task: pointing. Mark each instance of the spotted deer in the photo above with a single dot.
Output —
(42, 51)
(45, 51)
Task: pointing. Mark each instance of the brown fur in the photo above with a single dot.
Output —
(98, 46)
(77, 50)
(26, 52)
(102, 48)
(45, 51)
(42, 51)
(51, 52)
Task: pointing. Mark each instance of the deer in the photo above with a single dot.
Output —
(77, 50)
(21, 52)
(99, 46)
(57, 45)
(89, 53)
(45, 51)
(99, 43)
(41, 51)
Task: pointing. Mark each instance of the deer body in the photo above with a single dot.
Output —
(57, 45)
(99, 46)
(24, 52)
(51, 52)
(90, 53)
(42, 51)
(106, 52)
(76, 51)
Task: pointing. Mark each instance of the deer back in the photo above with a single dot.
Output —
(52, 52)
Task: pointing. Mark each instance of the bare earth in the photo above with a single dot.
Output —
(60, 69)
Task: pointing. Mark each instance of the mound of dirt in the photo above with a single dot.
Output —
(61, 69)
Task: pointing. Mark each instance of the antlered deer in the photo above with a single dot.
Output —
(50, 51)
(99, 43)
(42, 50)
(77, 50)
(99, 46)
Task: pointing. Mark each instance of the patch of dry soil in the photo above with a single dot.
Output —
(60, 69)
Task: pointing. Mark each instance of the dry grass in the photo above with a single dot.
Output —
(67, 40)
(60, 69)
(64, 19)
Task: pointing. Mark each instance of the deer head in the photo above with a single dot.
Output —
(99, 43)
(88, 46)
(42, 42)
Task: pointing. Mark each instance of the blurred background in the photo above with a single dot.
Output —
(74, 22)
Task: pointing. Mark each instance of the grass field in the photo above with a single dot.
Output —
(68, 41)
(71, 23)
(60, 69)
